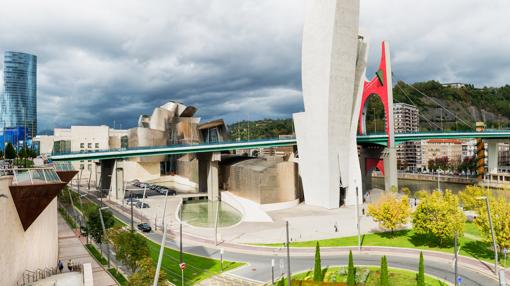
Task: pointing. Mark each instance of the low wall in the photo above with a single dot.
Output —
(433, 178)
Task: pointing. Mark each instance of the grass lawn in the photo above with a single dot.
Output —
(370, 278)
(198, 268)
(471, 245)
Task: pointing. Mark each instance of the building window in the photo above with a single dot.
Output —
(81, 166)
(97, 145)
(89, 167)
(89, 145)
(82, 145)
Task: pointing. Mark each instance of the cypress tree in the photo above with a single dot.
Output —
(420, 278)
(351, 274)
(10, 152)
(383, 280)
(317, 270)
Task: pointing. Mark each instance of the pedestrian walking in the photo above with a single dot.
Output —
(60, 265)
(69, 264)
(363, 211)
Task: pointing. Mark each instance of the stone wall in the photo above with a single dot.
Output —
(262, 180)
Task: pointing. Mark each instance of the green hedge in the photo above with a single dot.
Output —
(70, 221)
(96, 254)
(118, 276)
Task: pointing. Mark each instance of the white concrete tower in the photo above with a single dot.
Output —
(333, 67)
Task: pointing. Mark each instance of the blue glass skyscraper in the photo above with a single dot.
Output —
(18, 105)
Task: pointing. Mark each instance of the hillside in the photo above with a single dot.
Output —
(466, 106)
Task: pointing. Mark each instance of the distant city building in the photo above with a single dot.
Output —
(454, 85)
(468, 149)
(81, 139)
(406, 120)
(439, 148)
(18, 105)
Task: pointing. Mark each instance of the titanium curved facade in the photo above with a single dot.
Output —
(18, 104)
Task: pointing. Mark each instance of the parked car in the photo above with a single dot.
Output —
(145, 227)
(145, 205)
(130, 201)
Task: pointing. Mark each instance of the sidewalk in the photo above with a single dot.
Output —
(70, 247)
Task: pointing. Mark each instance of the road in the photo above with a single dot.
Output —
(259, 265)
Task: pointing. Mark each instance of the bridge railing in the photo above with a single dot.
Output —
(170, 146)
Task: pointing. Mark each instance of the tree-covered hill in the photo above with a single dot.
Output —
(465, 106)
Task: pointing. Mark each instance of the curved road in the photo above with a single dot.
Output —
(258, 266)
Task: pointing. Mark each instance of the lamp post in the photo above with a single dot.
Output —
(288, 252)
(358, 218)
(492, 232)
(272, 271)
(438, 182)
(162, 248)
(104, 233)
(180, 231)
(142, 206)
(221, 259)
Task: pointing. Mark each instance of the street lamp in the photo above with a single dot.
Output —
(221, 259)
(104, 233)
(162, 248)
(492, 232)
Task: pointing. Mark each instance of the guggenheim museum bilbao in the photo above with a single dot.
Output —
(324, 169)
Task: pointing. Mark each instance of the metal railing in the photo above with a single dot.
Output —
(62, 166)
(29, 277)
(31, 176)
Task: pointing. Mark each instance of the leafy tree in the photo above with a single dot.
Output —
(317, 269)
(390, 212)
(468, 164)
(145, 274)
(439, 216)
(130, 248)
(469, 197)
(94, 226)
(406, 191)
(384, 279)
(500, 214)
(22, 153)
(351, 272)
(10, 152)
(442, 163)
(420, 277)
(281, 282)
(421, 194)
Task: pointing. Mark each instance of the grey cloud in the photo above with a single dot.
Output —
(104, 61)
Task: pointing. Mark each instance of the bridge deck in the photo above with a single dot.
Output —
(379, 139)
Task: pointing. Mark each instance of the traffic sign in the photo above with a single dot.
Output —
(459, 279)
(182, 266)
(505, 251)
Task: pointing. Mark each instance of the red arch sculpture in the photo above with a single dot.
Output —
(371, 163)
(378, 86)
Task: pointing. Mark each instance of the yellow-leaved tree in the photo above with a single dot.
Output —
(500, 214)
(390, 211)
(439, 216)
(469, 197)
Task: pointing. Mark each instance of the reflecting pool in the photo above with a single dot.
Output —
(206, 213)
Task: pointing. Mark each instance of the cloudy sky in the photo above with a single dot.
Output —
(100, 61)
